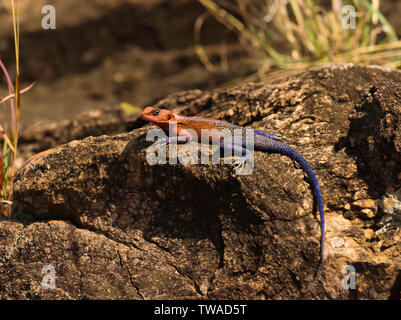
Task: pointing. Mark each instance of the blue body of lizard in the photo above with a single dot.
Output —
(263, 142)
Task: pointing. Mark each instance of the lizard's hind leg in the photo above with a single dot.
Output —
(241, 155)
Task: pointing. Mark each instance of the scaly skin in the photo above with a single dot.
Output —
(262, 142)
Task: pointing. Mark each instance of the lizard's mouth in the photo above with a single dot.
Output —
(147, 117)
(150, 114)
(160, 123)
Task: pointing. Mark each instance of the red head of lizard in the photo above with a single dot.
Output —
(159, 117)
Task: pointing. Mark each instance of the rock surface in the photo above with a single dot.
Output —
(114, 226)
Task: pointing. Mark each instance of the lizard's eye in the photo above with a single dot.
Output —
(168, 117)
(156, 112)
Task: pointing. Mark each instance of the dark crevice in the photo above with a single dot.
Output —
(395, 292)
(297, 282)
(126, 269)
(368, 142)
(352, 294)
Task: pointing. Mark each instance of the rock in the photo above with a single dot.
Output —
(200, 231)
(366, 207)
(87, 265)
(365, 204)
(109, 121)
(390, 204)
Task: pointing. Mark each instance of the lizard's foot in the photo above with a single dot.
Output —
(243, 165)
(276, 136)
(273, 136)
(239, 164)
(243, 159)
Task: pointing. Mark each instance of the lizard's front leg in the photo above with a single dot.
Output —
(181, 139)
(160, 146)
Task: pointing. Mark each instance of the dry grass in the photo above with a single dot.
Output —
(288, 35)
(10, 137)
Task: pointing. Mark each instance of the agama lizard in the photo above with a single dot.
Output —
(263, 142)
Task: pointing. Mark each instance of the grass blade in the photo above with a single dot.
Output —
(1, 177)
(381, 18)
(6, 139)
(10, 96)
(10, 89)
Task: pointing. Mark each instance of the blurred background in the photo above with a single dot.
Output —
(105, 52)
(110, 52)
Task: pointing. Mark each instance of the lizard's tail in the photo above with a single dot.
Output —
(274, 146)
